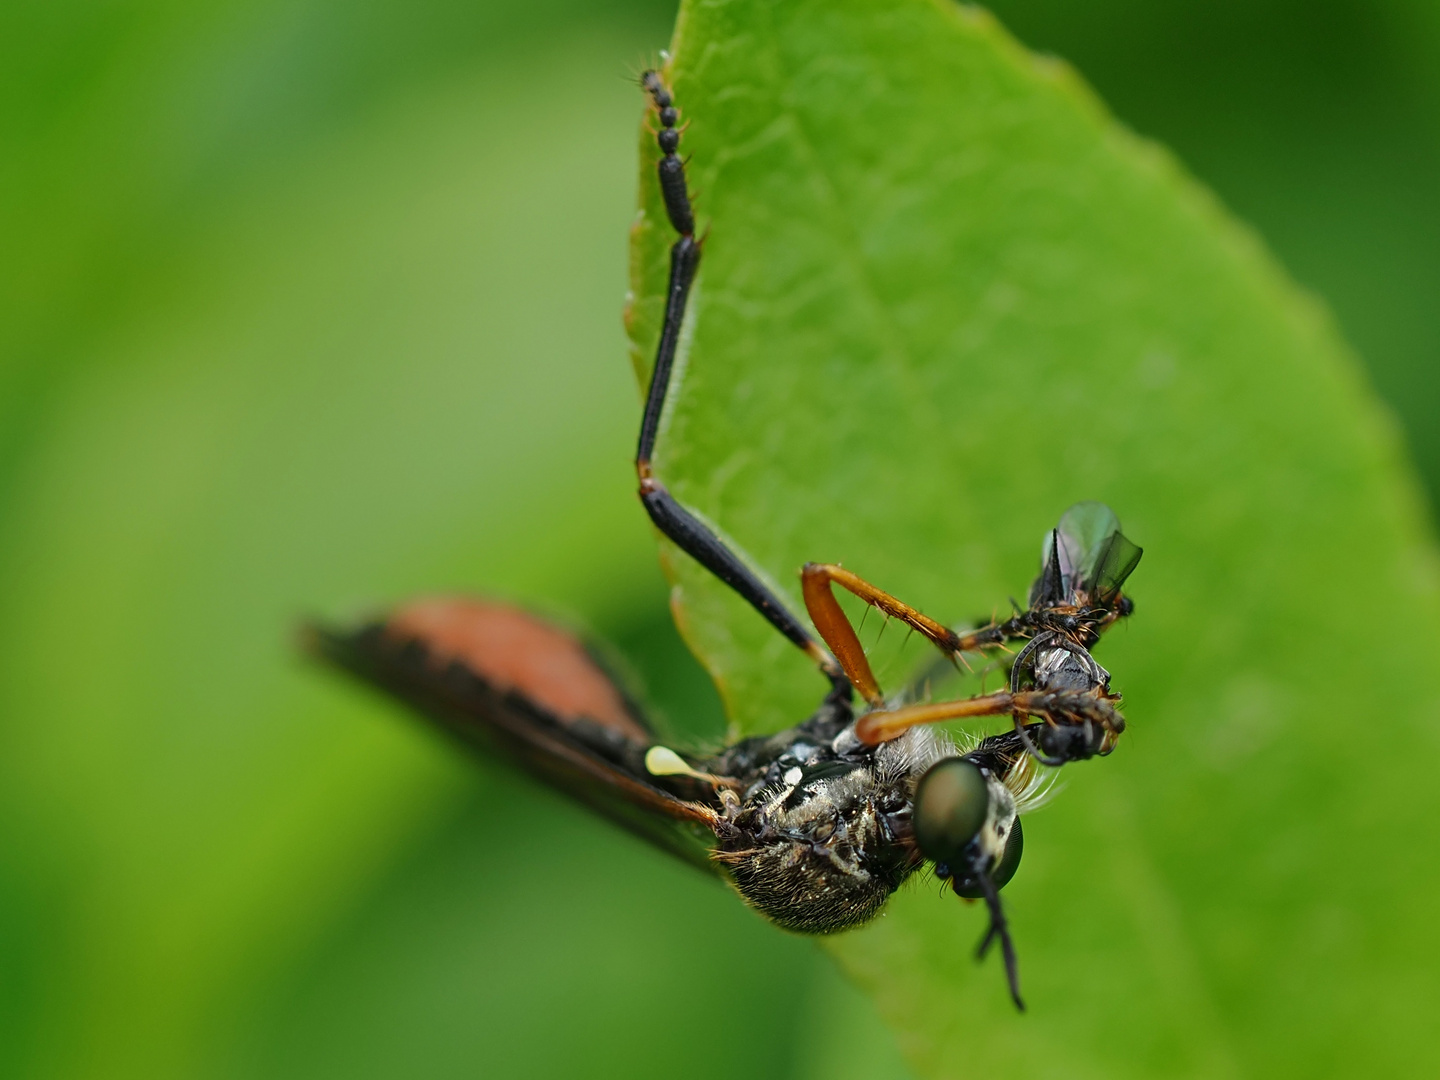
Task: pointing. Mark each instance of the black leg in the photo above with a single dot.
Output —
(672, 519)
(999, 928)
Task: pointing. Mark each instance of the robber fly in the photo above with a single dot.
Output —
(818, 825)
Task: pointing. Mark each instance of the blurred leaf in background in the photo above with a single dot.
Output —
(316, 306)
(308, 305)
(1318, 122)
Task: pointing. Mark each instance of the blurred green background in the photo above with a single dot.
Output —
(309, 306)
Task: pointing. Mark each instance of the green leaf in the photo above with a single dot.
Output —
(944, 296)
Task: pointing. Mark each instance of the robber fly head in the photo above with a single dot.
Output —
(966, 820)
(967, 823)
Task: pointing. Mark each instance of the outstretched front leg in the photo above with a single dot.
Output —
(672, 519)
(1077, 723)
(1089, 713)
(816, 580)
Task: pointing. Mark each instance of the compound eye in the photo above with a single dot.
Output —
(951, 803)
(969, 887)
(1010, 861)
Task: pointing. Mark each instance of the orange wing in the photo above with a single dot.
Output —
(517, 652)
(509, 684)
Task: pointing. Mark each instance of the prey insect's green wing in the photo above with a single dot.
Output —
(1090, 552)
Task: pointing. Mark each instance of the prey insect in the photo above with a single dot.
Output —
(818, 825)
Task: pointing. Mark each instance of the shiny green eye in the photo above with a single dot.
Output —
(951, 803)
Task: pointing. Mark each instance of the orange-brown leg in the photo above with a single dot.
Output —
(817, 577)
(878, 727)
(1067, 706)
(816, 580)
(837, 632)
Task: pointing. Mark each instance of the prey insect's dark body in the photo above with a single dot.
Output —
(818, 825)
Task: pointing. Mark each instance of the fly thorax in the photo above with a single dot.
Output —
(818, 847)
(1062, 665)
